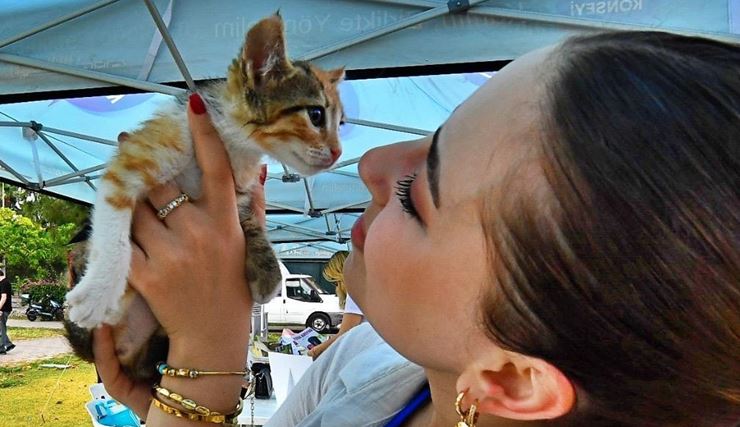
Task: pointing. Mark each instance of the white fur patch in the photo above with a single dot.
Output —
(96, 299)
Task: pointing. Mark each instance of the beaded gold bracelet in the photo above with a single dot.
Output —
(213, 417)
(186, 403)
(165, 369)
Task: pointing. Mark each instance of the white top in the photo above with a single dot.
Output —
(350, 306)
(359, 381)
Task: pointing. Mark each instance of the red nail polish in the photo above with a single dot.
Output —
(263, 174)
(197, 104)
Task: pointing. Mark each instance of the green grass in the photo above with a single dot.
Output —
(20, 334)
(33, 396)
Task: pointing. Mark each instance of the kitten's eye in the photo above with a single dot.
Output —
(317, 116)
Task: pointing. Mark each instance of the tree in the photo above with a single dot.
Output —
(30, 250)
(45, 210)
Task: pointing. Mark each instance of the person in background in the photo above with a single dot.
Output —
(333, 272)
(6, 306)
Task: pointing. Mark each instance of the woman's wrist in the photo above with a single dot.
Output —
(218, 393)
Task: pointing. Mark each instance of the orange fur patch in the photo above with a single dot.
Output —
(120, 201)
(114, 179)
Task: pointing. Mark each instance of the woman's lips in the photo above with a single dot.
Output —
(358, 233)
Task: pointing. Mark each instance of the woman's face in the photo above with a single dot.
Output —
(419, 277)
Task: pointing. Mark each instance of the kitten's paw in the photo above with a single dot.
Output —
(88, 311)
(265, 289)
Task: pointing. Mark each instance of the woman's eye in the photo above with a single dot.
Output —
(403, 191)
(317, 116)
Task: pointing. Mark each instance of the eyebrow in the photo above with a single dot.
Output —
(433, 168)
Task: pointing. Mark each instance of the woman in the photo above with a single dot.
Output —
(591, 192)
(352, 316)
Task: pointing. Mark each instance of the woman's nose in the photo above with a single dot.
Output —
(381, 167)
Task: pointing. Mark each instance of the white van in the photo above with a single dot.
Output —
(301, 302)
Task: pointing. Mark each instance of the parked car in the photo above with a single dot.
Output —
(301, 302)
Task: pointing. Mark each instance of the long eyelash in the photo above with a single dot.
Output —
(403, 191)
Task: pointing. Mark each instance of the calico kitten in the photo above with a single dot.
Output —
(267, 105)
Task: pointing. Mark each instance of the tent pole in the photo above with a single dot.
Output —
(80, 136)
(311, 210)
(60, 132)
(62, 156)
(13, 172)
(386, 29)
(285, 207)
(170, 44)
(86, 179)
(55, 22)
(344, 173)
(386, 126)
(63, 178)
(91, 75)
(345, 163)
(15, 125)
(300, 230)
(349, 205)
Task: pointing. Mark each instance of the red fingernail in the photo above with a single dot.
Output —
(197, 105)
(263, 174)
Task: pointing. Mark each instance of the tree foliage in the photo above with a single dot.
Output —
(30, 250)
(44, 210)
(34, 231)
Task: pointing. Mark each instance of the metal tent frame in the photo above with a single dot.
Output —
(321, 222)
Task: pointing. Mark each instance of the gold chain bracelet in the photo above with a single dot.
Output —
(165, 369)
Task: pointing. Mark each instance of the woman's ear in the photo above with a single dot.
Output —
(518, 388)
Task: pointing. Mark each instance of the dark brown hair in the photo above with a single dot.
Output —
(626, 275)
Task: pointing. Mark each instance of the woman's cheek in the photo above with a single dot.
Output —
(392, 245)
(384, 247)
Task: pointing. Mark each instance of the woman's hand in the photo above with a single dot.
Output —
(190, 266)
(190, 269)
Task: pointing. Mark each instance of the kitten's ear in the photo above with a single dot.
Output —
(336, 76)
(264, 56)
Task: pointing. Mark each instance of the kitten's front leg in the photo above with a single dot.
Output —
(262, 268)
(96, 299)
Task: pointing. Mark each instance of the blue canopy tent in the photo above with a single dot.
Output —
(75, 73)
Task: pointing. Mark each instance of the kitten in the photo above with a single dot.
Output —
(267, 105)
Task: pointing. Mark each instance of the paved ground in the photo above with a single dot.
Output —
(41, 348)
(25, 323)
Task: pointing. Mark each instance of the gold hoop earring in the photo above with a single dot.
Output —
(467, 418)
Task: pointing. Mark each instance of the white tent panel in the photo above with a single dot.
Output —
(118, 38)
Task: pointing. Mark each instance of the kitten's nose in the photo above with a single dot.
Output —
(335, 153)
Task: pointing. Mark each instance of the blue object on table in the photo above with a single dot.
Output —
(111, 413)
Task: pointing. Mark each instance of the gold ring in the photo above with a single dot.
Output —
(171, 206)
